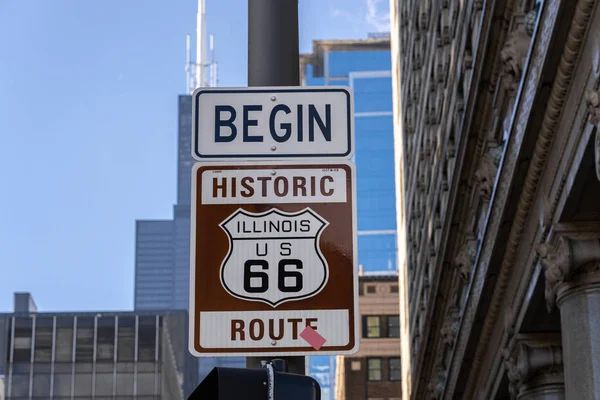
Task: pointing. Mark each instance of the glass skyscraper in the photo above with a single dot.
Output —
(162, 249)
(365, 66)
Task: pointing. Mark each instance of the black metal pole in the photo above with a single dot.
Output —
(274, 60)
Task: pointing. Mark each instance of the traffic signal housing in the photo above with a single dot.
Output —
(267, 383)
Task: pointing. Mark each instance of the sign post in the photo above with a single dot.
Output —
(274, 60)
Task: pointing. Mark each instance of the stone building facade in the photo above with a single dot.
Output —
(374, 371)
(496, 113)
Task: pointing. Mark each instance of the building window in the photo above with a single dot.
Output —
(64, 339)
(104, 384)
(20, 386)
(126, 340)
(372, 326)
(145, 384)
(374, 369)
(394, 369)
(41, 385)
(105, 349)
(22, 343)
(147, 339)
(83, 385)
(84, 344)
(393, 324)
(62, 384)
(371, 289)
(124, 384)
(394, 289)
(43, 339)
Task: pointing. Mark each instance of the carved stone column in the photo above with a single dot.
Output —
(572, 271)
(534, 368)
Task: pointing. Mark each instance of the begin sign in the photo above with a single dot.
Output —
(273, 254)
(266, 123)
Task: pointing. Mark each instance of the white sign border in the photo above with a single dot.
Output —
(273, 156)
(192, 292)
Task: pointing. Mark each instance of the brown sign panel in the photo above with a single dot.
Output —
(273, 259)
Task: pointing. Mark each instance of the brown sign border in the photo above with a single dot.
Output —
(194, 312)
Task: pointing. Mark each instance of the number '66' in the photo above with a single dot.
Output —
(250, 285)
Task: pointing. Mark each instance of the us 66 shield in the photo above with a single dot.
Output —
(273, 255)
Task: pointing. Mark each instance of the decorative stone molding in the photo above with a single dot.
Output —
(486, 173)
(465, 259)
(568, 258)
(530, 364)
(451, 325)
(513, 55)
(597, 153)
(531, 19)
(546, 133)
(545, 213)
(438, 383)
(592, 99)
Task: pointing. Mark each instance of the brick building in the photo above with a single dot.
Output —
(373, 373)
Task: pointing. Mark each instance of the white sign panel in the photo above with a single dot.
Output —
(289, 241)
(251, 329)
(237, 186)
(272, 123)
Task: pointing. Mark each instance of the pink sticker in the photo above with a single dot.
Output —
(313, 338)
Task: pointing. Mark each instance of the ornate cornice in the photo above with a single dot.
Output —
(451, 325)
(562, 80)
(465, 259)
(437, 384)
(513, 56)
(485, 175)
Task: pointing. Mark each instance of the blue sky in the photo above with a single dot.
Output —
(88, 125)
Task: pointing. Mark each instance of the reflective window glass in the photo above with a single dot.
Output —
(64, 339)
(374, 369)
(126, 339)
(84, 350)
(106, 339)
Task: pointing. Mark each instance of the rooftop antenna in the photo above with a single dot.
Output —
(201, 44)
(188, 65)
(213, 63)
(202, 72)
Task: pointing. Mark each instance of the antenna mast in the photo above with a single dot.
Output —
(202, 72)
(188, 65)
(201, 45)
(213, 63)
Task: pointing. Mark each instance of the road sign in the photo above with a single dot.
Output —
(272, 123)
(273, 259)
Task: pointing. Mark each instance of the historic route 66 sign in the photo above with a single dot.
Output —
(276, 254)
(273, 255)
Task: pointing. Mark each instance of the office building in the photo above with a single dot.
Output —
(100, 355)
(162, 249)
(497, 147)
(374, 371)
(162, 254)
(365, 66)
